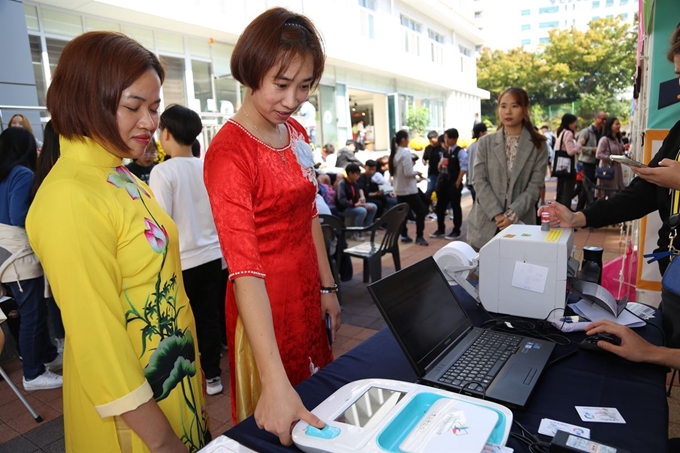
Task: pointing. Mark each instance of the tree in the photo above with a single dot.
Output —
(417, 119)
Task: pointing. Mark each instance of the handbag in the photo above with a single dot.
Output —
(563, 164)
(605, 172)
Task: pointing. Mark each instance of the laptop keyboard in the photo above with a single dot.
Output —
(480, 364)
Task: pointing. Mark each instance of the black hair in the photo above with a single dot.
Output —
(432, 134)
(441, 139)
(567, 119)
(49, 154)
(350, 142)
(608, 129)
(398, 137)
(371, 163)
(184, 124)
(196, 148)
(352, 168)
(17, 148)
(478, 129)
(452, 133)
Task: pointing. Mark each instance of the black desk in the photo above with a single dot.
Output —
(586, 379)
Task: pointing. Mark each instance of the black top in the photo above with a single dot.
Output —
(345, 156)
(641, 198)
(431, 157)
(139, 171)
(347, 194)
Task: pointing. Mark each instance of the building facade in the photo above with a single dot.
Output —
(526, 23)
(383, 57)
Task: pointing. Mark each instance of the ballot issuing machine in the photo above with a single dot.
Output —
(523, 270)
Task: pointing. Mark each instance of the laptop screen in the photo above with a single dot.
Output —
(422, 311)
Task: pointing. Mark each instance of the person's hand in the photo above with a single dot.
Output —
(502, 222)
(280, 408)
(667, 174)
(362, 200)
(393, 195)
(458, 183)
(381, 193)
(633, 347)
(561, 216)
(330, 306)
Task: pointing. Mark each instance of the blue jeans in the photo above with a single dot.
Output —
(34, 338)
(431, 185)
(361, 215)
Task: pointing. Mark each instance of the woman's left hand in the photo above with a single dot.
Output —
(667, 174)
(330, 305)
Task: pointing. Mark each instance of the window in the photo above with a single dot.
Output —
(366, 17)
(526, 42)
(54, 49)
(625, 16)
(436, 46)
(173, 86)
(526, 12)
(36, 59)
(526, 27)
(411, 35)
(61, 23)
(169, 42)
(370, 4)
(623, 2)
(143, 35)
(553, 24)
(544, 40)
(100, 24)
(596, 5)
(465, 51)
(202, 85)
(596, 17)
(548, 9)
(609, 3)
(31, 14)
(199, 47)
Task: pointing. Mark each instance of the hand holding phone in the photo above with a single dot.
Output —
(627, 161)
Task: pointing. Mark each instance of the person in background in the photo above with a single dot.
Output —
(321, 156)
(48, 157)
(479, 131)
(371, 189)
(509, 171)
(350, 201)
(141, 167)
(22, 272)
(196, 148)
(346, 155)
(259, 172)
(452, 168)
(433, 152)
(179, 189)
(589, 138)
(111, 255)
(19, 120)
(566, 141)
(405, 185)
(624, 139)
(609, 144)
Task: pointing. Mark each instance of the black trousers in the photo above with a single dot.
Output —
(449, 193)
(589, 172)
(203, 285)
(565, 190)
(415, 202)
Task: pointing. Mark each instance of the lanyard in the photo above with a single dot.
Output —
(673, 224)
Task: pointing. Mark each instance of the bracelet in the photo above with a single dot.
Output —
(329, 289)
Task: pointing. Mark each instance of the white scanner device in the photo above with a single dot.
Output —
(523, 270)
(380, 415)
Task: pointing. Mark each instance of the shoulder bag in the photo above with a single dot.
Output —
(563, 164)
(604, 171)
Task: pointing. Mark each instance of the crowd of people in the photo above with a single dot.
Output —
(154, 266)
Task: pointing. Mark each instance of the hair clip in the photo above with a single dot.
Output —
(293, 24)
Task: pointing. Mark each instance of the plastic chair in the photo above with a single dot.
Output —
(333, 235)
(14, 388)
(371, 251)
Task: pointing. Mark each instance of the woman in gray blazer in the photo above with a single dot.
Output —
(509, 171)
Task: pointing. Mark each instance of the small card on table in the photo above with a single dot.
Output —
(600, 414)
(550, 427)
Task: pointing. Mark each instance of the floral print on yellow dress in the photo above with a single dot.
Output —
(173, 361)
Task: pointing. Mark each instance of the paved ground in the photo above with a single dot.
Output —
(19, 433)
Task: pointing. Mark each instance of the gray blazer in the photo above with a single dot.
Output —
(493, 188)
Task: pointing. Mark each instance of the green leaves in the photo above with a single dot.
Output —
(172, 361)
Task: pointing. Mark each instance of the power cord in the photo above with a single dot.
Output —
(532, 442)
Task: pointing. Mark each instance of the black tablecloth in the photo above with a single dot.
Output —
(584, 379)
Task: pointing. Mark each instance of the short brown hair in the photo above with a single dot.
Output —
(675, 45)
(92, 73)
(276, 37)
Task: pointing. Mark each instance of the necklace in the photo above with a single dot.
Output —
(283, 157)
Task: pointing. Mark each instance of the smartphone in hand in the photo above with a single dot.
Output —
(329, 330)
(626, 161)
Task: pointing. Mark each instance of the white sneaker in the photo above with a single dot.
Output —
(214, 386)
(45, 381)
(55, 365)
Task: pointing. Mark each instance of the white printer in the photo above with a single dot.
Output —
(523, 271)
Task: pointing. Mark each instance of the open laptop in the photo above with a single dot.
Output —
(433, 330)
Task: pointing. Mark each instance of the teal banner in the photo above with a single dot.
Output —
(664, 99)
